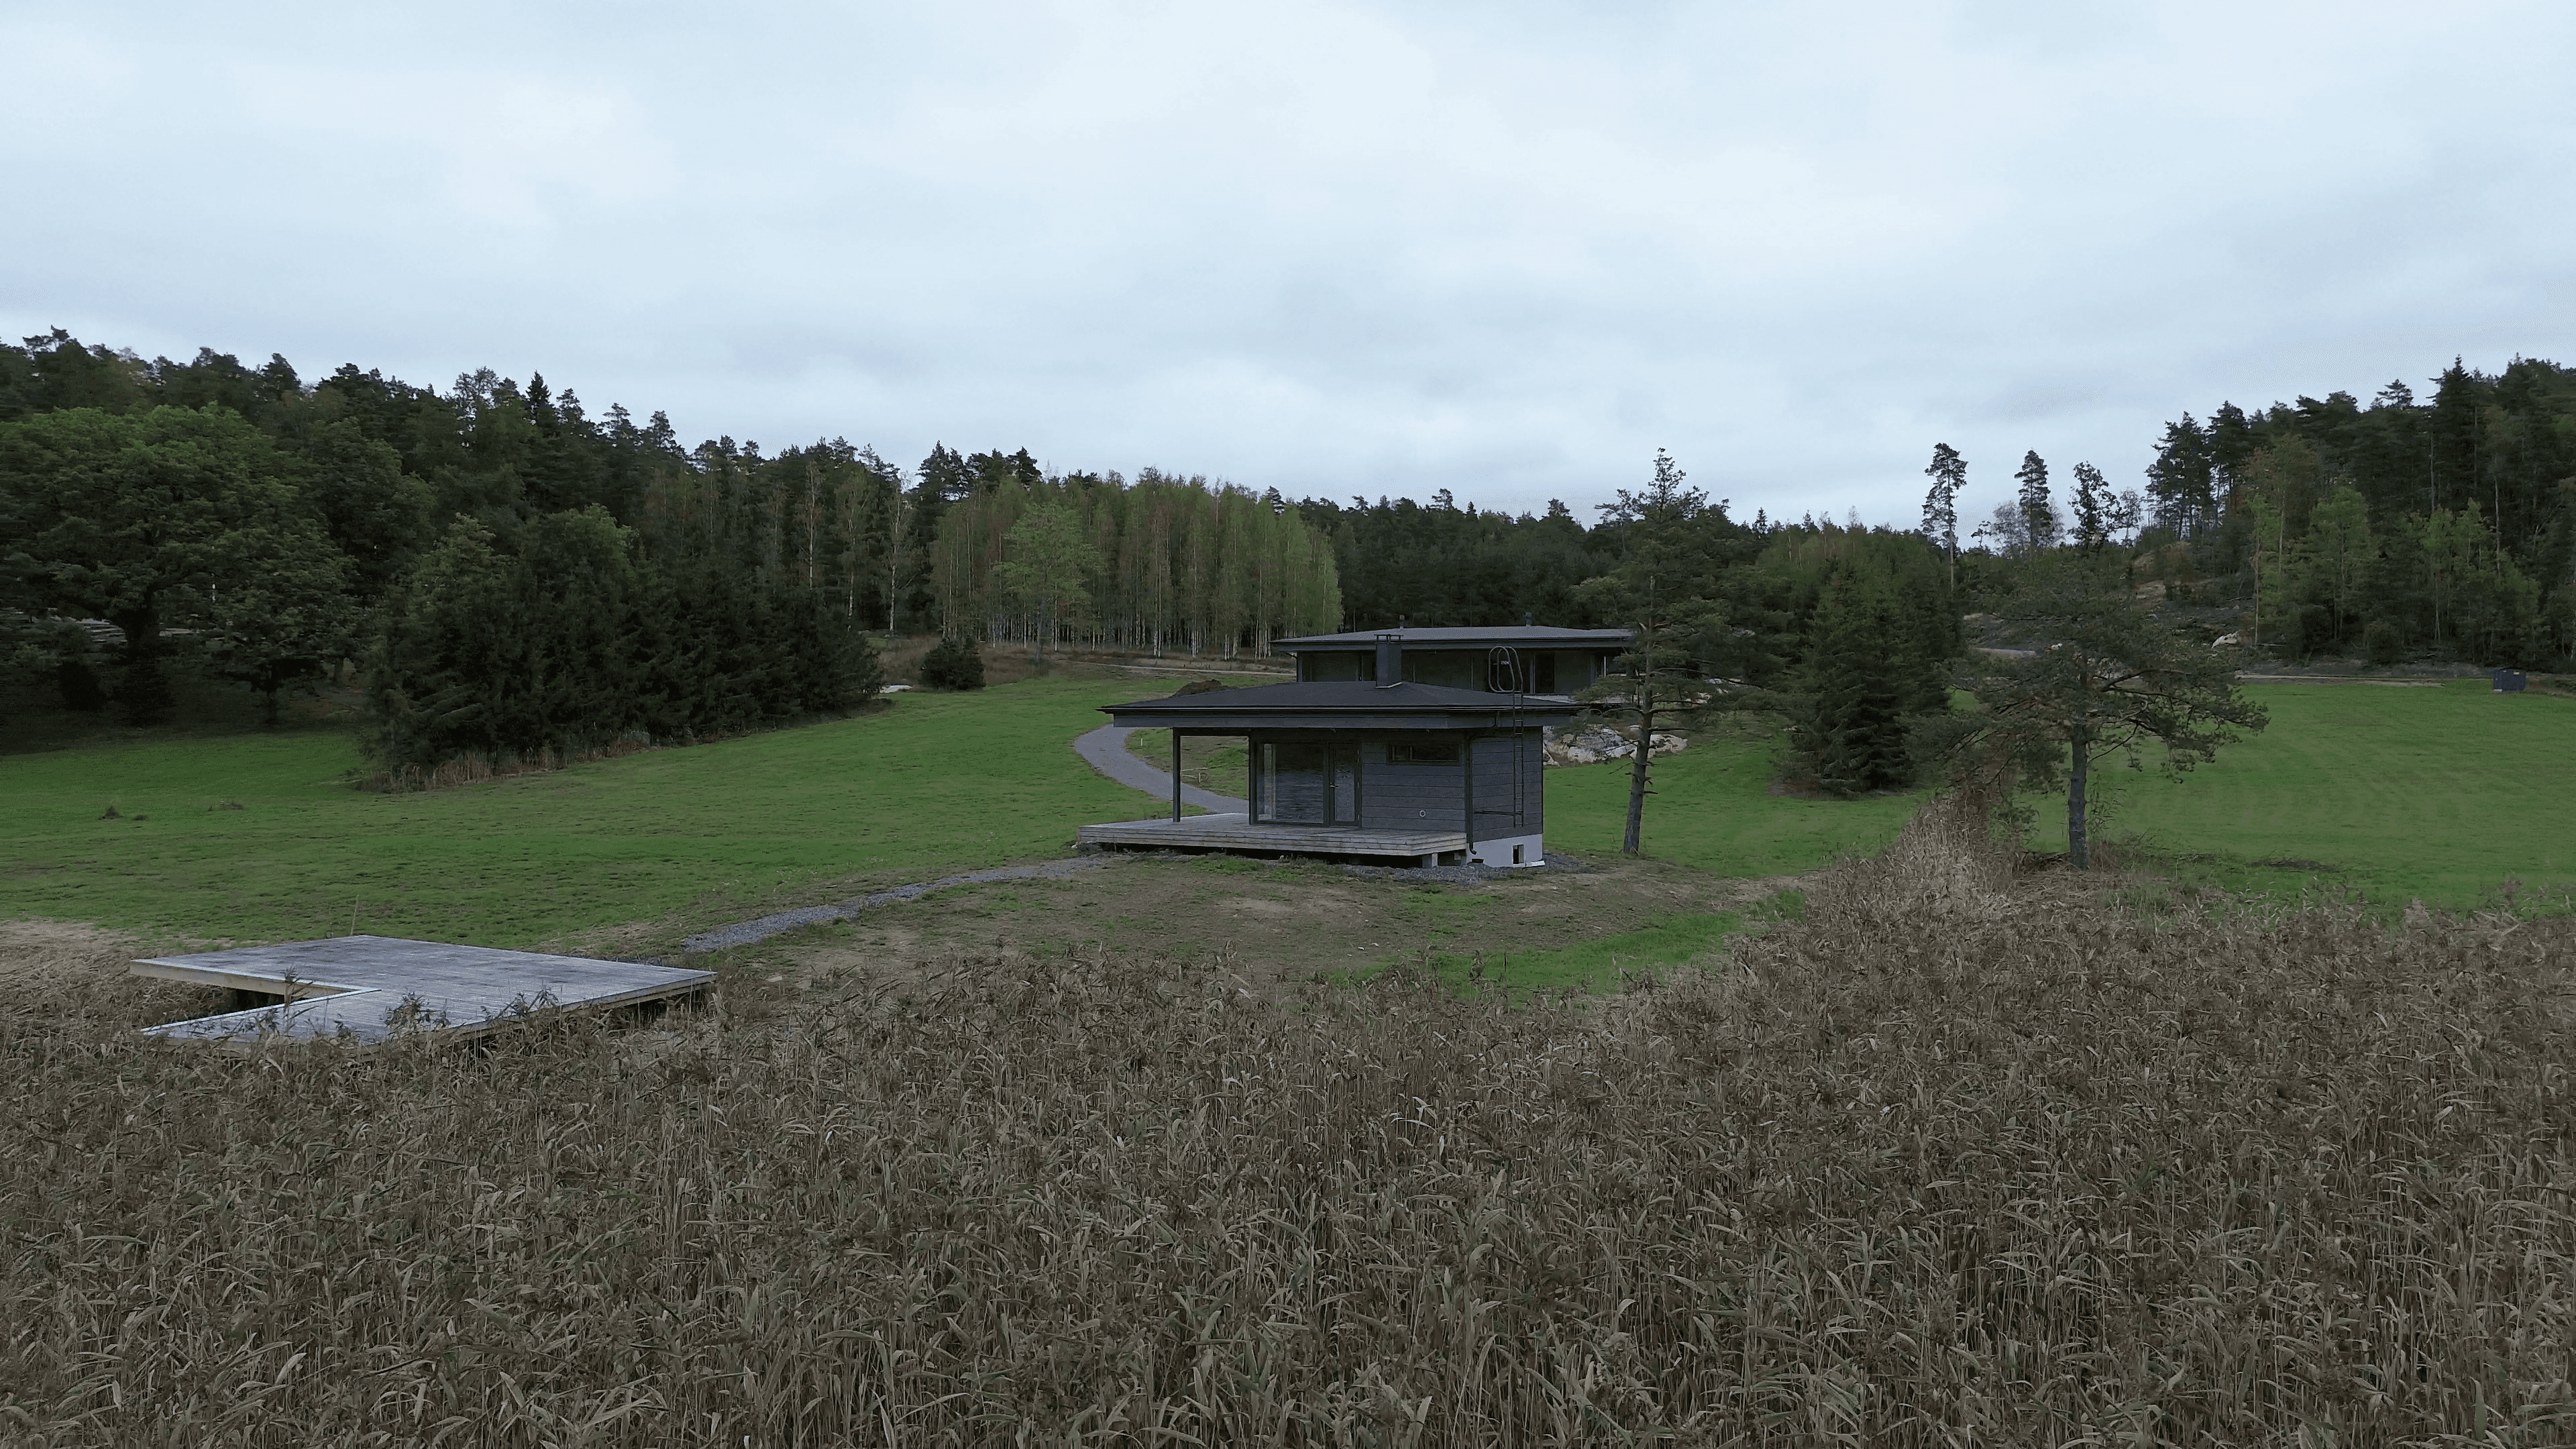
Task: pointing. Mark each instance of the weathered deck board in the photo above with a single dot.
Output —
(370, 988)
(1234, 832)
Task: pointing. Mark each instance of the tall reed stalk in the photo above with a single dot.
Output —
(1949, 1162)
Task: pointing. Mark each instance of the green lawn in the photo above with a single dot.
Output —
(1595, 965)
(1714, 808)
(936, 784)
(2439, 794)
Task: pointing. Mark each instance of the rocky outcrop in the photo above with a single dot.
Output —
(1591, 744)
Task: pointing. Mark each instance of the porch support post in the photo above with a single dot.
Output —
(1176, 777)
(1467, 758)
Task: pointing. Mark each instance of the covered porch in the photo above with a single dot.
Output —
(1394, 772)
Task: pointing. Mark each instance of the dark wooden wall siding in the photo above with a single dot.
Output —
(1552, 671)
(1499, 811)
(1409, 797)
(1337, 665)
(1448, 668)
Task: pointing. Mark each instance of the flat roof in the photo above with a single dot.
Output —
(1343, 705)
(1532, 634)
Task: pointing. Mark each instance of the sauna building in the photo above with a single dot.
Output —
(1423, 746)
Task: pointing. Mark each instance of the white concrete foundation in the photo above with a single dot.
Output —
(1507, 850)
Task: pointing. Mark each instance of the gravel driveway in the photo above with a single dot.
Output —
(1106, 750)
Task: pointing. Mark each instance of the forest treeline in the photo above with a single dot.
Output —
(477, 548)
(2439, 527)
(516, 575)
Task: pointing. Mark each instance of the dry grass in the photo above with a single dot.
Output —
(73, 960)
(1279, 924)
(1949, 1162)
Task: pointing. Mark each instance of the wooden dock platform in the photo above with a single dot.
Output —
(1236, 834)
(368, 989)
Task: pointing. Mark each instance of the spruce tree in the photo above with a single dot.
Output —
(2094, 509)
(1859, 672)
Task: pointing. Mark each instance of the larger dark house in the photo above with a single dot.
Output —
(1531, 659)
(1420, 745)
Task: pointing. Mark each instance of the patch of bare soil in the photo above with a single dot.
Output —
(1274, 923)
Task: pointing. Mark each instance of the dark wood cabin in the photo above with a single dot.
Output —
(1410, 771)
(1531, 659)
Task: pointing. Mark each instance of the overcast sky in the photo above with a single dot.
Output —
(1338, 249)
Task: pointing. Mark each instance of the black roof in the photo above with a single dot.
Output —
(1531, 634)
(1341, 705)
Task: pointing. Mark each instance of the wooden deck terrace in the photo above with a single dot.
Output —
(369, 989)
(1236, 835)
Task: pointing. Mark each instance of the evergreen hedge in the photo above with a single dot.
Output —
(568, 637)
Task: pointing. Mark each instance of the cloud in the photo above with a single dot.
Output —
(1338, 248)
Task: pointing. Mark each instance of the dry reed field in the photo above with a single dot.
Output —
(1955, 1160)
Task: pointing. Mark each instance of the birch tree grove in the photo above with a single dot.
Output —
(1188, 567)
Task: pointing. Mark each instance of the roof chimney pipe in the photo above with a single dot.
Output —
(1390, 661)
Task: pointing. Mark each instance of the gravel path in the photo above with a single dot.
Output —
(1105, 749)
(743, 933)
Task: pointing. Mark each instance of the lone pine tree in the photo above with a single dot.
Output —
(2039, 514)
(1949, 473)
(2101, 674)
(1657, 593)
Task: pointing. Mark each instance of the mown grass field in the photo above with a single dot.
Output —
(1715, 808)
(2442, 794)
(2438, 794)
(933, 785)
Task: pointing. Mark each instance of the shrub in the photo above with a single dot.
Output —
(953, 664)
(79, 684)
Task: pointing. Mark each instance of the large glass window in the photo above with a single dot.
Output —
(1298, 783)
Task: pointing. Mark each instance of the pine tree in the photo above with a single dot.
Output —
(2039, 514)
(2179, 479)
(2098, 673)
(1659, 591)
(1949, 473)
